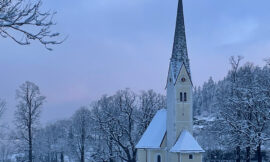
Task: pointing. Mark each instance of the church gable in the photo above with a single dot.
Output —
(186, 144)
(183, 76)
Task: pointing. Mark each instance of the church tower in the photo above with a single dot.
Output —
(169, 136)
(179, 85)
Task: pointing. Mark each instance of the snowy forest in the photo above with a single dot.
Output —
(231, 116)
(231, 122)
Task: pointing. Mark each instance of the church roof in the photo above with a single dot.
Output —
(154, 134)
(186, 144)
(180, 52)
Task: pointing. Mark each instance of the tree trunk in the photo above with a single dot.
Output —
(259, 153)
(62, 156)
(248, 154)
(238, 151)
(110, 150)
(55, 159)
(30, 156)
(83, 143)
(82, 154)
(30, 151)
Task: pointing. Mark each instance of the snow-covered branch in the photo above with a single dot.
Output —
(21, 17)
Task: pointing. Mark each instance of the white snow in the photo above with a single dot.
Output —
(206, 118)
(186, 144)
(154, 134)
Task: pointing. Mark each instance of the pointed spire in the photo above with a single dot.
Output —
(180, 53)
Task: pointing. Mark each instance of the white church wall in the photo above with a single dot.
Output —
(184, 113)
(150, 155)
(171, 136)
(197, 157)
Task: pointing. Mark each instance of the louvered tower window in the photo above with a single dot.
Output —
(185, 96)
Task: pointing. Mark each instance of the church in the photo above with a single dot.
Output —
(169, 136)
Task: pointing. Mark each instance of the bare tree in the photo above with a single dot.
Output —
(115, 117)
(30, 102)
(244, 106)
(261, 108)
(149, 103)
(50, 143)
(120, 120)
(23, 17)
(230, 109)
(80, 133)
(7, 145)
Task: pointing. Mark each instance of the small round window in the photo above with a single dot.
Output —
(183, 79)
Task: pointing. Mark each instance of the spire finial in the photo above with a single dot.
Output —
(179, 53)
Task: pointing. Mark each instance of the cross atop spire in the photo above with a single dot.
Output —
(180, 53)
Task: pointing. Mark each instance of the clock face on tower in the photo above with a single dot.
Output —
(183, 79)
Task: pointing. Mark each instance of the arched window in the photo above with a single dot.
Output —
(181, 96)
(158, 158)
(185, 96)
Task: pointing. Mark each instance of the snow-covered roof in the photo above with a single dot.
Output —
(180, 52)
(178, 67)
(186, 144)
(154, 134)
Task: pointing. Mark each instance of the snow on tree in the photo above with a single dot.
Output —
(30, 102)
(243, 101)
(120, 120)
(149, 103)
(80, 134)
(208, 95)
(7, 144)
(261, 105)
(240, 119)
(106, 132)
(115, 116)
(197, 101)
(50, 143)
(230, 123)
(204, 99)
(2, 107)
(22, 17)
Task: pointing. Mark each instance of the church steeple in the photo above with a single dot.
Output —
(169, 137)
(180, 53)
(179, 85)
